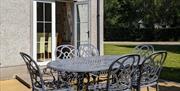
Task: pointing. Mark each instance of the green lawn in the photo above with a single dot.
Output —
(171, 70)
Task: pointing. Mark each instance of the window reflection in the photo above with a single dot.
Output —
(44, 38)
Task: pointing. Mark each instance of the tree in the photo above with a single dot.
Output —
(128, 13)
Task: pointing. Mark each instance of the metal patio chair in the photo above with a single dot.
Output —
(37, 81)
(150, 70)
(88, 50)
(119, 74)
(144, 50)
(66, 52)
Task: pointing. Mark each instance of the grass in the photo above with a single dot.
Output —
(171, 70)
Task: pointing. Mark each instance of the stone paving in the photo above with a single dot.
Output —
(12, 85)
(15, 85)
(166, 86)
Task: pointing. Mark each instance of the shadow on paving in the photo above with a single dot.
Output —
(169, 88)
(170, 48)
(170, 73)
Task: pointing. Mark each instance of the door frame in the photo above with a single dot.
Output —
(53, 29)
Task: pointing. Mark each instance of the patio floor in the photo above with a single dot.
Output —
(11, 85)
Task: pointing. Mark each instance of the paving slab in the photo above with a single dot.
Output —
(12, 85)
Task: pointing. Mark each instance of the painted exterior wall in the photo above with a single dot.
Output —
(101, 27)
(16, 33)
(93, 24)
(95, 36)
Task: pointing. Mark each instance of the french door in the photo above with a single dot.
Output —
(81, 21)
(44, 39)
(57, 23)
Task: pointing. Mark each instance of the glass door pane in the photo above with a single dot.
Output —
(44, 31)
(82, 23)
(64, 23)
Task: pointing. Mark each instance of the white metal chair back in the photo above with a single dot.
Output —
(144, 50)
(88, 50)
(65, 52)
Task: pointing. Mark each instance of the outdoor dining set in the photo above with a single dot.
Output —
(84, 69)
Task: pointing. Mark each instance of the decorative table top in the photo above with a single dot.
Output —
(86, 64)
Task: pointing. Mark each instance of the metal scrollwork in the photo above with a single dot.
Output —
(119, 74)
(65, 52)
(35, 75)
(149, 71)
(38, 83)
(88, 50)
(151, 67)
(144, 50)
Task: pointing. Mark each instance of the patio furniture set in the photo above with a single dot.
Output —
(84, 69)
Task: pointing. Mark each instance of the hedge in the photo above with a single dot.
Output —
(127, 34)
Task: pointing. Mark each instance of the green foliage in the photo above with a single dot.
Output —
(121, 13)
(128, 13)
(129, 34)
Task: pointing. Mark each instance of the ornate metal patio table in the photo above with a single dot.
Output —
(84, 65)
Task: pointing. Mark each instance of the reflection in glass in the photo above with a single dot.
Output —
(64, 23)
(82, 13)
(40, 27)
(39, 11)
(82, 24)
(44, 38)
(47, 12)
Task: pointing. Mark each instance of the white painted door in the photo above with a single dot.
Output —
(44, 41)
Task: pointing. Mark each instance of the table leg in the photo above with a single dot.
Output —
(80, 80)
(88, 80)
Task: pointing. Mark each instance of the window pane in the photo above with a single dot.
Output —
(48, 27)
(40, 27)
(47, 12)
(48, 39)
(47, 30)
(83, 32)
(39, 11)
(40, 47)
(40, 43)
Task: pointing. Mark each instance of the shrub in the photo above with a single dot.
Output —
(127, 34)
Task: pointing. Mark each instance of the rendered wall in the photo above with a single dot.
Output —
(15, 31)
(97, 38)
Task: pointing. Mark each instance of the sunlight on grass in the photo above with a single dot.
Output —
(171, 70)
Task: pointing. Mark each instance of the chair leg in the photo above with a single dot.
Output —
(133, 89)
(148, 88)
(88, 81)
(94, 79)
(137, 89)
(157, 87)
